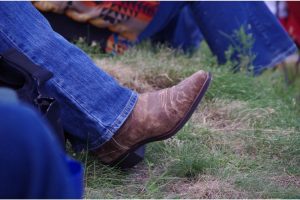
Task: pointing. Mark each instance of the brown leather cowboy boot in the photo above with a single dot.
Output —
(156, 116)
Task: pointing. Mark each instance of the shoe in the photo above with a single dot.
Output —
(156, 116)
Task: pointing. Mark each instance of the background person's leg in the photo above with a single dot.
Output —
(94, 105)
(182, 32)
(219, 20)
(32, 165)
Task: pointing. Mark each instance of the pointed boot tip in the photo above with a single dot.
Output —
(207, 74)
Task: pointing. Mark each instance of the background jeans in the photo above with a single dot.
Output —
(217, 22)
(94, 105)
(182, 32)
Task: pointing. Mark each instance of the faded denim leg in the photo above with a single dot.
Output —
(94, 105)
(182, 32)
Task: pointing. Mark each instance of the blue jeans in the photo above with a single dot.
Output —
(94, 105)
(217, 22)
(33, 165)
(182, 32)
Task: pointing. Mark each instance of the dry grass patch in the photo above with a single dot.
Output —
(125, 75)
(286, 180)
(229, 116)
(213, 189)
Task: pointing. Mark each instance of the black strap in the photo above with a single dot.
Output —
(26, 78)
(21, 62)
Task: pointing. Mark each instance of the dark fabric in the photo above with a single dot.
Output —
(19, 73)
(73, 30)
(32, 163)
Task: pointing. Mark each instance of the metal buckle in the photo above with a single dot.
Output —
(44, 103)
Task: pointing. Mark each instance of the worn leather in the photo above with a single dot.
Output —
(155, 115)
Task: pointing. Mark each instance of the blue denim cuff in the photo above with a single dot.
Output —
(116, 125)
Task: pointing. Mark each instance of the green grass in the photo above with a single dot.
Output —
(242, 142)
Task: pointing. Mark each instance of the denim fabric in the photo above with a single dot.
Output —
(94, 105)
(217, 22)
(33, 165)
(182, 32)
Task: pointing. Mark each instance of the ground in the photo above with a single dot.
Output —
(242, 142)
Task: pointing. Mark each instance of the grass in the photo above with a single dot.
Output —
(242, 142)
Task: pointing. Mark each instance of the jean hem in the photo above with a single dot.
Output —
(278, 59)
(108, 134)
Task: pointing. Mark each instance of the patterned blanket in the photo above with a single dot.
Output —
(126, 20)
